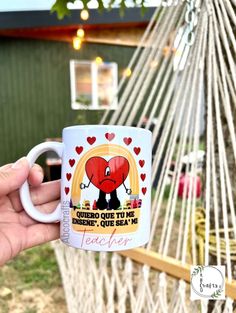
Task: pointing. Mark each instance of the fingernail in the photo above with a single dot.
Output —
(19, 163)
(41, 174)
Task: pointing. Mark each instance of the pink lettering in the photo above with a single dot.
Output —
(84, 231)
(102, 241)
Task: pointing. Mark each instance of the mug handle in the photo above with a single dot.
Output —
(24, 189)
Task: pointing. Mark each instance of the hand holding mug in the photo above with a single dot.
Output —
(105, 187)
(18, 231)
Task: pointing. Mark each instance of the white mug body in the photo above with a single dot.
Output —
(105, 187)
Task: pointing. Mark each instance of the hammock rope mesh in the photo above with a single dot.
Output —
(183, 72)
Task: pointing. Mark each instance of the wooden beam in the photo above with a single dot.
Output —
(124, 36)
(112, 42)
(169, 265)
(120, 36)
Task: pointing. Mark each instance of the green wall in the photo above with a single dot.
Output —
(35, 90)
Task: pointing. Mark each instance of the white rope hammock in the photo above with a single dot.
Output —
(185, 230)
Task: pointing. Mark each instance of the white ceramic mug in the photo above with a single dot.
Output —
(105, 187)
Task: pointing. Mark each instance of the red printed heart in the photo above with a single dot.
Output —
(127, 140)
(141, 163)
(137, 150)
(79, 149)
(68, 176)
(144, 190)
(91, 140)
(67, 189)
(107, 175)
(143, 176)
(110, 136)
(72, 162)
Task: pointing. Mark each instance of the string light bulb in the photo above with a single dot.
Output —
(99, 60)
(127, 72)
(153, 64)
(80, 33)
(77, 43)
(84, 15)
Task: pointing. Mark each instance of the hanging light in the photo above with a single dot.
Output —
(153, 64)
(166, 51)
(127, 72)
(99, 60)
(80, 33)
(76, 43)
(84, 15)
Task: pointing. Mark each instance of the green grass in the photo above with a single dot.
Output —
(3, 306)
(34, 268)
(30, 310)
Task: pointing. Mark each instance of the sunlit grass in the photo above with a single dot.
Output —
(36, 267)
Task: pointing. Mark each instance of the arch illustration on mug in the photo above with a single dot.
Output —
(106, 175)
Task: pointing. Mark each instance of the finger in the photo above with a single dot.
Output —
(48, 207)
(21, 218)
(41, 233)
(36, 175)
(6, 166)
(44, 193)
(11, 178)
(25, 220)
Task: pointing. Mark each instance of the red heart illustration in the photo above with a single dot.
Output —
(144, 190)
(137, 150)
(107, 175)
(67, 189)
(141, 163)
(68, 176)
(110, 136)
(127, 140)
(79, 149)
(143, 176)
(72, 162)
(91, 140)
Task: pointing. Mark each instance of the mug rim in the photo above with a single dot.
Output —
(74, 127)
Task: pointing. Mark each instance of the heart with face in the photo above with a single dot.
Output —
(107, 175)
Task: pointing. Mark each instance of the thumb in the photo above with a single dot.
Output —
(12, 177)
